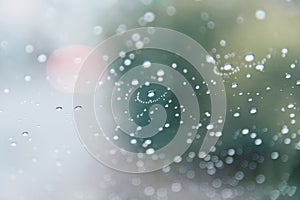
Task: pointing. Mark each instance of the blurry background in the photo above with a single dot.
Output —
(256, 45)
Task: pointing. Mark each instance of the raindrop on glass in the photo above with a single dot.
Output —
(147, 64)
(13, 144)
(260, 14)
(259, 67)
(27, 78)
(151, 93)
(59, 108)
(25, 133)
(42, 58)
(149, 17)
(249, 57)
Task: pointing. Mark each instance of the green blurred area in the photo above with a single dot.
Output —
(271, 90)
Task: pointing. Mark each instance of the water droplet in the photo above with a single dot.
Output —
(260, 14)
(42, 58)
(97, 30)
(29, 48)
(27, 78)
(34, 160)
(253, 110)
(234, 85)
(6, 90)
(223, 43)
(149, 191)
(13, 144)
(211, 25)
(133, 141)
(260, 179)
(77, 108)
(149, 17)
(210, 59)
(293, 66)
(25, 133)
(139, 44)
(236, 114)
(147, 64)
(209, 127)
(59, 108)
(116, 137)
(150, 151)
(239, 175)
(249, 57)
(287, 141)
(174, 65)
(176, 187)
(274, 155)
(151, 93)
(258, 141)
(177, 159)
(135, 37)
(227, 67)
(259, 67)
(231, 152)
(160, 72)
(284, 51)
(240, 20)
(127, 62)
(284, 130)
(77, 60)
(134, 82)
(245, 131)
(171, 10)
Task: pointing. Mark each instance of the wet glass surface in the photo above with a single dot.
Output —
(252, 46)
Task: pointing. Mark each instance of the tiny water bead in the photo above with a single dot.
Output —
(135, 82)
(127, 62)
(42, 58)
(223, 43)
(160, 73)
(13, 144)
(284, 51)
(58, 108)
(260, 14)
(97, 30)
(29, 48)
(234, 85)
(149, 17)
(245, 131)
(227, 67)
(25, 133)
(258, 141)
(249, 57)
(171, 10)
(6, 91)
(260, 179)
(176, 187)
(285, 130)
(253, 110)
(77, 108)
(27, 78)
(236, 114)
(259, 67)
(147, 64)
(77, 60)
(274, 155)
(151, 93)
